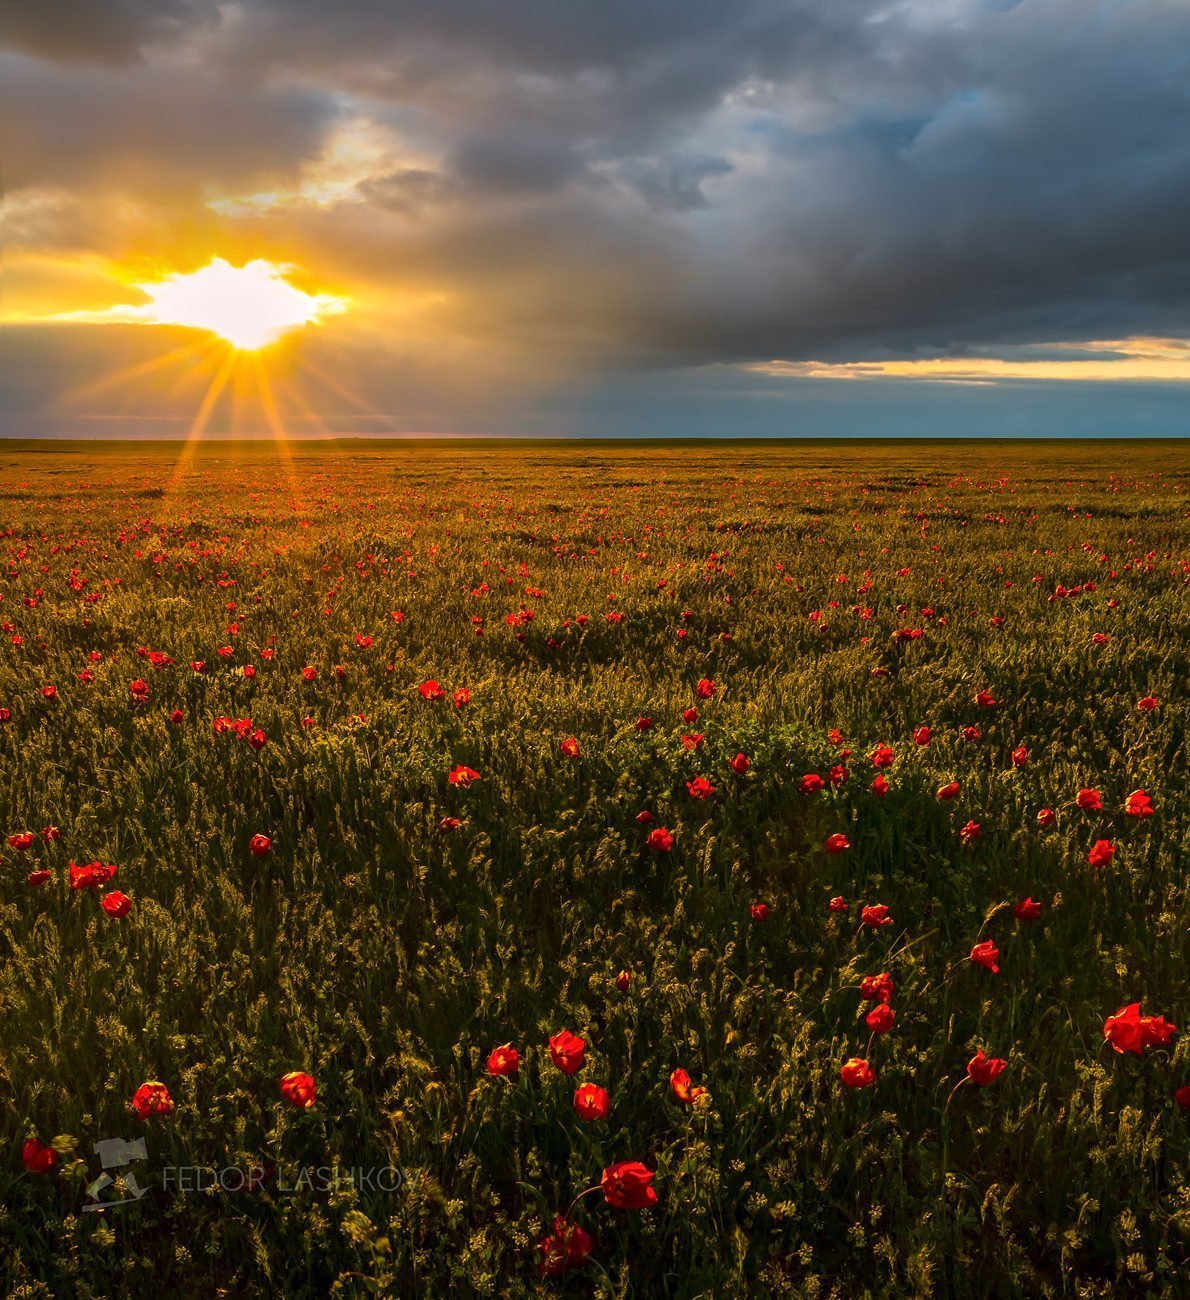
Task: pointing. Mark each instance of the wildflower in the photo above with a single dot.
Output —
(1101, 853)
(660, 839)
(569, 747)
(857, 1073)
(948, 791)
(1020, 756)
(880, 1019)
(740, 764)
(567, 1051)
(430, 690)
(759, 911)
(298, 1089)
(566, 1247)
(700, 788)
(970, 832)
(116, 903)
(1046, 817)
(985, 1070)
(152, 1098)
(986, 954)
(1138, 804)
(462, 775)
(1129, 1031)
(837, 904)
(875, 915)
(504, 1062)
(37, 1158)
(836, 843)
(1090, 800)
(811, 783)
(260, 846)
(705, 688)
(624, 980)
(628, 1186)
(1027, 910)
(684, 1089)
(877, 988)
(591, 1102)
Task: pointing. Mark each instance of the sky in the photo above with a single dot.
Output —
(595, 218)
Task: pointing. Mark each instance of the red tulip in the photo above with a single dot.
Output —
(1101, 853)
(985, 1070)
(504, 1062)
(837, 843)
(37, 1158)
(1027, 910)
(591, 1102)
(260, 846)
(152, 1098)
(880, 1019)
(877, 988)
(567, 1051)
(566, 1247)
(684, 1089)
(660, 840)
(857, 1073)
(628, 1186)
(116, 904)
(986, 954)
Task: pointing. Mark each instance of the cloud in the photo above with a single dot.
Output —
(638, 183)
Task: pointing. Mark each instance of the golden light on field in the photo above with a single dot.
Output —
(250, 306)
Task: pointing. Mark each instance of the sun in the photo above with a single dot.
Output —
(250, 306)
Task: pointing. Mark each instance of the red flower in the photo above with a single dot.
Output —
(298, 1089)
(624, 980)
(875, 915)
(116, 904)
(37, 878)
(52, 835)
(644, 724)
(1091, 800)
(566, 1247)
(877, 988)
(430, 690)
(1046, 817)
(684, 1089)
(1101, 853)
(971, 733)
(591, 1102)
(21, 841)
(970, 832)
(1129, 1031)
(948, 791)
(90, 875)
(260, 846)
(643, 818)
(692, 740)
(309, 673)
(837, 904)
(882, 756)
(449, 824)
(462, 775)
(691, 714)
(177, 716)
(567, 1051)
(1182, 1096)
(1147, 703)
(985, 700)
(700, 788)
(139, 689)
(922, 736)
(628, 1186)
(857, 1073)
(152, 1098)
(836, 843)
(880, 786)
(461, 697)
(569, 747)
(705, 688)
(759, 911)
(37, 1158)
(504, 1062)
(811, 783)
(1027, 910)
(660, 840)
(257, 739)
(1020, 756)
(880, 1019)
(986, 954)
(985, 1070)
(49, 692)
(1138, 804)
(740, 764)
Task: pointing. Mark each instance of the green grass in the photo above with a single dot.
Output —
(387, 956)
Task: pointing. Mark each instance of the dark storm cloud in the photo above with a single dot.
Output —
(100, 31)
(673, 181)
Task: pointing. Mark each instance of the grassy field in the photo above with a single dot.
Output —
(1020, 601)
